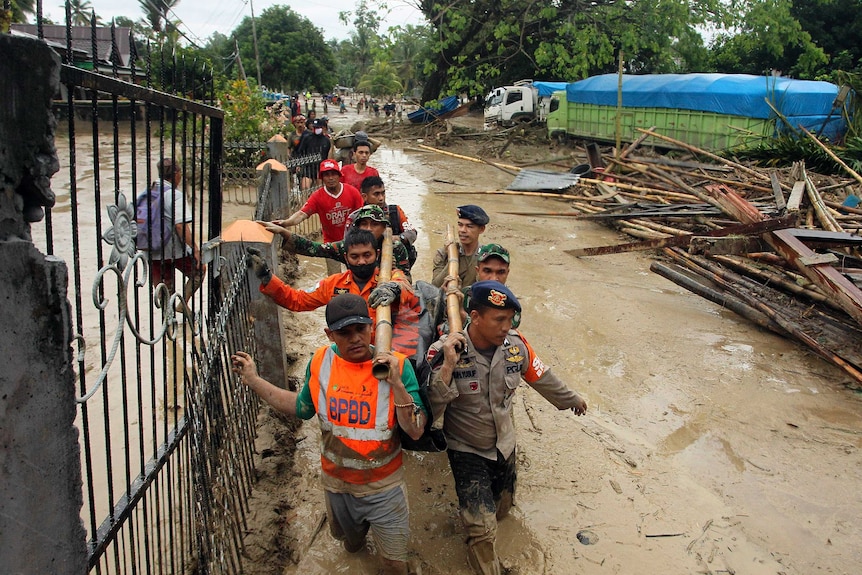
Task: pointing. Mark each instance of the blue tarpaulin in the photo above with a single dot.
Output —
(545, 89)
(802, 102)
(734, 94)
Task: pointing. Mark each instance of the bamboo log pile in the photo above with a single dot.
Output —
(776, 246)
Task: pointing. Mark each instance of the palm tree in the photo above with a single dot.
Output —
(20, 9)
(82, 11)
(156, 12)
(381, 80)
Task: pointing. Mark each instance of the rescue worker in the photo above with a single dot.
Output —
(471, 224)
(369, 218)
(360, 279)
(373, 192)
(476, 386)
(332, 202)
(360, 449)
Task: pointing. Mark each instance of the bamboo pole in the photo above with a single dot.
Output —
(468, 158)
(696, 150)
(832, 155)
(453, 307)
(383, 327)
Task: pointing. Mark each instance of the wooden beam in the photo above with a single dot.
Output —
(682, 240)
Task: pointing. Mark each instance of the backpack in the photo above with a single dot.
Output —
(395, 222)
(153, 231)
(429, 297)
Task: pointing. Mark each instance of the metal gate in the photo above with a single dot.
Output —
(166, 434)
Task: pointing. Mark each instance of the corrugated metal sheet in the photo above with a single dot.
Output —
(541, 180)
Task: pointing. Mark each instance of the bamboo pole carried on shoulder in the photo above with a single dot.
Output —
(453, 304)
(383, 323)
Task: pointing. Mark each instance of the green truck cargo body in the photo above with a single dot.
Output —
(710, 111)
(706, 130)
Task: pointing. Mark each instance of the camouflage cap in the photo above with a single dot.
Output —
(493, 251)
(370, 211)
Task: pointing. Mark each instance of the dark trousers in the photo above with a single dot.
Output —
(484, 486)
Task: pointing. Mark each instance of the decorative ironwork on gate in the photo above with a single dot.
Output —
(166, 434)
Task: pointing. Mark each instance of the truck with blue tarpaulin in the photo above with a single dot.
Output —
(710, 111)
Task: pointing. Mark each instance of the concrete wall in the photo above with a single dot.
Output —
(40, 473)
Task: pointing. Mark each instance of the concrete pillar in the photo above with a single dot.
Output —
(40, 465)
(262, 311)
(279, 206)
(277, 148)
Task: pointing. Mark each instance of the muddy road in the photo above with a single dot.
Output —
(710, 445)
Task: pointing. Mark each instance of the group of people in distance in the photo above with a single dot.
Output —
(458, 384)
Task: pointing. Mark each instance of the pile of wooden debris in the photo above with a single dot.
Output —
(780, 247)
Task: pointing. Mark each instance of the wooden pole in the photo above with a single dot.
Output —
(383, 327)
(453, 305)
(703, 152)
(468, 158)
(832, 155)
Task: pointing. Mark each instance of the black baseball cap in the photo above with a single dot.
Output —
(473, 213)
(346, 309)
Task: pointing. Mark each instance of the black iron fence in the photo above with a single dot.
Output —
(166, 434)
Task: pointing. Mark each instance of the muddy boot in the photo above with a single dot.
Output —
(481, 527)
(482, 556)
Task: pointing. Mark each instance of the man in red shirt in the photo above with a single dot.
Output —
(354, 173)
(332, 203)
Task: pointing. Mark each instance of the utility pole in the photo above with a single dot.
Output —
(239, 63)
(254, 36)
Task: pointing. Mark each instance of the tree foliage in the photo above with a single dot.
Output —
(769, 38)
(489, 42)
(293, 54)
(381, 80)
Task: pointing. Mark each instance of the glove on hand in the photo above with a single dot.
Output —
(384, 294)
(259, 265)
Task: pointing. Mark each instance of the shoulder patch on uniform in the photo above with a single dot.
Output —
(515, 358)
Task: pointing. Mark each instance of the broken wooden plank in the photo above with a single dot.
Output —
(703, 245)
(777, 191)
(818, 260)
(795, 196)
(682, 240)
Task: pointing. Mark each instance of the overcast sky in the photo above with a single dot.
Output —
(203, 17)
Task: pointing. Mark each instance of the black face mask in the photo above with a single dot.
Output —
(363, 272)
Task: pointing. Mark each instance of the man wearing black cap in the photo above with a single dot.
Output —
(471, 223)
(315, 141)
(476, 386)
(360, 450)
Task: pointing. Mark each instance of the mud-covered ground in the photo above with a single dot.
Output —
(710, 445)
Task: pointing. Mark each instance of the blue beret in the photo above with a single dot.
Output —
(493, 294)
(473, 213)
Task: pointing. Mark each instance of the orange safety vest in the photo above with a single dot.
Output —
(358, 439)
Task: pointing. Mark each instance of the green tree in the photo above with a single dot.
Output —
(380, 80)
(156, 12)
(82, 11)
(489, 42)
(364, 38)
(293, 54)
(836, 27)
(408, 47)
(21, 8)
(770, 38)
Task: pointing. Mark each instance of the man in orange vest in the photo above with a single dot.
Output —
(360, 279)
(360, 449)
